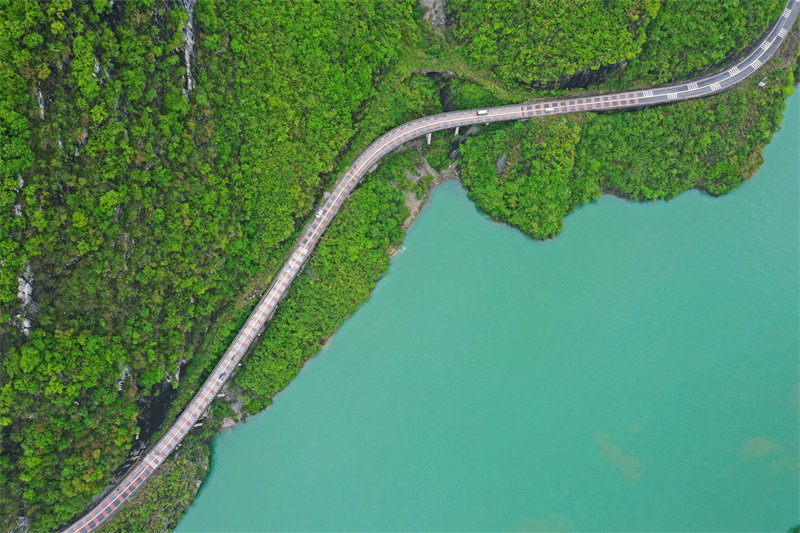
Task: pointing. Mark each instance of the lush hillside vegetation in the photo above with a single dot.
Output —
(545, 40)
(523, 175)
(142, 217)
(713, 144)
(552, 166)
(687, 37)
(545, 43)
(144, 212)
(338, 278)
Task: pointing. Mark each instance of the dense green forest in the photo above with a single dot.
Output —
(338, 278)
(553, 165)
(712, 144)
(498, 168)
(688, 37)
(144, 208)
(144, 212)
(546, 40)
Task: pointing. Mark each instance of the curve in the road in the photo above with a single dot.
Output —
(699, 87)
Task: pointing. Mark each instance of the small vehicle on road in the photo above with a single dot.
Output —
(483, 111)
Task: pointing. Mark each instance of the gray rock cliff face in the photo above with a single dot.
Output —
(188, 40)
(434, 11)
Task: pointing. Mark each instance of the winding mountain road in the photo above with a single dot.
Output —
(703, 86)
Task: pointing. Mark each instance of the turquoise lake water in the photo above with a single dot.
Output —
(638, 373)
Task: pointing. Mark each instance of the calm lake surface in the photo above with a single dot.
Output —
(640, 372)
